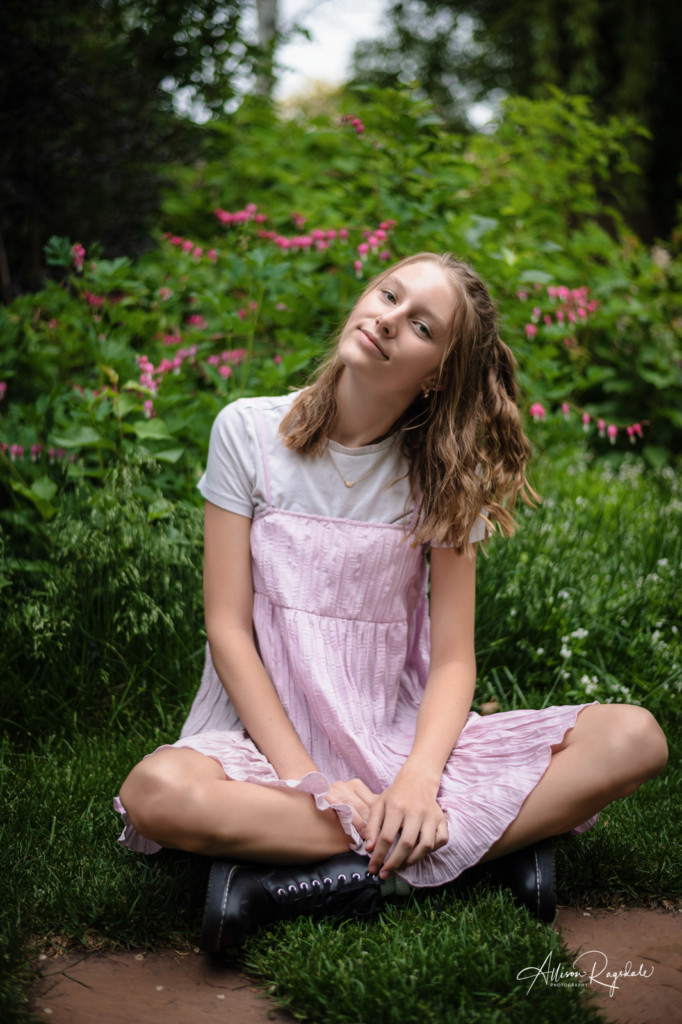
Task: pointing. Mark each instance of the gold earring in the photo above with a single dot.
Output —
(426, 390)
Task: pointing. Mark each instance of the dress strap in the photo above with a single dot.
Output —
(266, 466)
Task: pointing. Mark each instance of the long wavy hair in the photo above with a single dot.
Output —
(464, 443)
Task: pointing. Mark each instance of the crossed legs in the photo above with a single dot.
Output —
(182, 800)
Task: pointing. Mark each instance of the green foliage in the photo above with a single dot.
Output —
(128, 357)
(86, 98)
(582, 604)
(88, 611)
(627, 60)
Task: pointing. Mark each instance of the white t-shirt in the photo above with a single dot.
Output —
(235, 477)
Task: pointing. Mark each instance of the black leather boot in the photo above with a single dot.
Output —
(243, 897)
(529, 873)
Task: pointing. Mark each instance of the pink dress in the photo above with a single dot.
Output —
(342, 626)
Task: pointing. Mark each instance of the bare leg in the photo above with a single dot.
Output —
(610, 752)
(182, 800)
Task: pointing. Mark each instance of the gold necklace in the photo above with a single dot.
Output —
(352, 483)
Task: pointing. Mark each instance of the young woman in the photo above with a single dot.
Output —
(330, 755)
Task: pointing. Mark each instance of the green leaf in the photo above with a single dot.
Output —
(79, 439)
(152, 430)
(480, 226)
(656, 456)
(536, 277)
(45, 507)
(45, 488)
(169, 454)
(159, 509)
(58, 252)
(126, 403)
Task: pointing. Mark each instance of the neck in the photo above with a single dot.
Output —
(361, 418)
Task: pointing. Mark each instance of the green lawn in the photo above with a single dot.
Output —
(583, 603)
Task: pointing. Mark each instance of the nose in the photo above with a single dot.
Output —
(385, 324)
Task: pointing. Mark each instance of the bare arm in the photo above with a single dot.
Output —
(228, 603)
(409, 804)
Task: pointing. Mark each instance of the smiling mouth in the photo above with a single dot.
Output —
(374, 341)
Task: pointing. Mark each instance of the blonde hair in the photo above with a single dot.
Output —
(464, 442)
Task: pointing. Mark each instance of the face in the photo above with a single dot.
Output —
(398, 333)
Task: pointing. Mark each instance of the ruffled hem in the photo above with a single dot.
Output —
(241, 761)
(497, 763)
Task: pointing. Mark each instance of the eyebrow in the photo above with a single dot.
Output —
(439, 324)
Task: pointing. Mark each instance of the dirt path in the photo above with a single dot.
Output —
(178, 988)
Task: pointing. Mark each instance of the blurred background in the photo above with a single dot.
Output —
(100, 98)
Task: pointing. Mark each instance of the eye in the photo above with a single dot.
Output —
(422, 329)
(389, 295)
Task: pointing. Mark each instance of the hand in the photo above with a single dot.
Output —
(405, 814)
(358, 795)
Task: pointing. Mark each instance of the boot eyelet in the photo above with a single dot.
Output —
(356, 876)
(317, 884)
(281, 892)
(327, 881)
(341, 878)
(304, 886)
(292, 888)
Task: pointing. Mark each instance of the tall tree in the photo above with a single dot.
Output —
(625, 54)
(87, 115)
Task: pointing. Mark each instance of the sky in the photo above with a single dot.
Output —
(335, 26)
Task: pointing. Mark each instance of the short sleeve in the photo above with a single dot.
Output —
(479, 531)
(230, 477)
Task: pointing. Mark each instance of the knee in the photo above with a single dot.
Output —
(149, 795)
(641, 741)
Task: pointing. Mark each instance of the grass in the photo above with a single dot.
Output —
(583, 603)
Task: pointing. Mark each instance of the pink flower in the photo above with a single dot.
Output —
(187, 246)
(363, 249)
(225, 371)
(3, 389)
(565, 409)
(601, 427)
(52, 324)
(586, 421)
(176, 240)
(612, 433)
(522, 295)
(234, 356)
(165, 294)
(537, 412)
(36, 452)
(78, 253)
(94, 300)
(277, 359)
(212, 255)
(242, 314)
(298, 219)
(16, 452)
(357, 266)
(384, 255)
(547, 319)
(198, 252)
(148, 407)
(196, 320)
(343, 234)
(531, 330)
